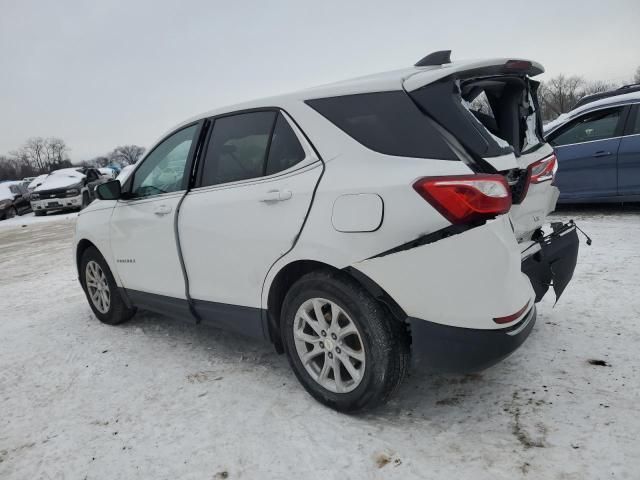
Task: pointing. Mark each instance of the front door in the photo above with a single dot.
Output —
(255, 189)
(587, 152)
(142, 227)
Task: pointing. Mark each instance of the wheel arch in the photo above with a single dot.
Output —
(293, 271)
(82, 247)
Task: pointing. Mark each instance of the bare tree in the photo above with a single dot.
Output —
(34, 150)
(636, 77)
(598, 87)
(559, 94)
(126, 154)
(100, 161)
(56, 150)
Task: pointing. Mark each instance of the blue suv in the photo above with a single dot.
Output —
(598, 148)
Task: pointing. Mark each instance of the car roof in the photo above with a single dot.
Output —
(377, 82)
(609, 93)
(613, 101)
(68, 170)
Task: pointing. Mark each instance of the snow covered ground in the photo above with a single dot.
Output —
(156, 398)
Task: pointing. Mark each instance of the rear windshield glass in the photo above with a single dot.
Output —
(490, 116)
(386, 122)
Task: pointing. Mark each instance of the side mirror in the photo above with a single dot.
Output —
(109, 191)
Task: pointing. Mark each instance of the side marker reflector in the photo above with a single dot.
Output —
(512, 317)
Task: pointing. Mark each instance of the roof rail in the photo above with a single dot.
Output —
(631, 85)
(436, 58)
(631, 88)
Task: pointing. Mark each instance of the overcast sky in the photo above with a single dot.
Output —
(104, 73)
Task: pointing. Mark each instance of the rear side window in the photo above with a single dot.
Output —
(285, 150)
(237, 148)
(386, 122)
(598, 125)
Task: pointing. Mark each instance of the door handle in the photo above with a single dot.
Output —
(601, 153)
(162, 210)
(276, 196)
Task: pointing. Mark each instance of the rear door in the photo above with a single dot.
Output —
(587, 151)
(629, 155)
(254, 189)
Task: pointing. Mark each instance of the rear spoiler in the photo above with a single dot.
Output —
(467, 69)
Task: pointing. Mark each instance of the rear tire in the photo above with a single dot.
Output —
(376, 347)
(39, 213)
(101, 289)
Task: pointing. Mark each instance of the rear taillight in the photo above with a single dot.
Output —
(466, 198)
(543, 170)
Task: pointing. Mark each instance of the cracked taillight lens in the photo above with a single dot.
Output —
(543, 170)
(466, 198)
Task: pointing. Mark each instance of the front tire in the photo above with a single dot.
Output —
(343, 346)
(12, 212)
(101, 289)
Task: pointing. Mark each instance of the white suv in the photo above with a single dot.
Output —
(352, 225)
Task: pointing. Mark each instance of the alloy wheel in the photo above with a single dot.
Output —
(98, 286)
(329, 345)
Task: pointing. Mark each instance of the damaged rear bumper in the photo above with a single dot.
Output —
(554, 260)
(444, 348)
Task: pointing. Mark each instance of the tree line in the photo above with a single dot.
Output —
(40, 155)
(560, 94)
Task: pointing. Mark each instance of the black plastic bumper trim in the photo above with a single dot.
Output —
(443, 348)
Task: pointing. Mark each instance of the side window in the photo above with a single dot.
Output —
(386, 122)
(285, 150)
(598, 125)
(635, 126)
(237, 148)
(163, 169)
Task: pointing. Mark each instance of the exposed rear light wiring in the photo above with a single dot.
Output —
(466, 198)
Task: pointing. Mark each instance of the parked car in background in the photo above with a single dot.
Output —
(14, 199)
(598, 148)
(66, 189)
(37, 181)
(125, 172)
(107, 172)
(345, 224)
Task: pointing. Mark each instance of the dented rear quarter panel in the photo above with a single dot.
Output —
(464, 280)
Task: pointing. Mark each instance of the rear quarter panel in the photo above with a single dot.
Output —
(351, 168)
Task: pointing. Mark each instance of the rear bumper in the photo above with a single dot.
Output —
(554, 261)
(444, 348)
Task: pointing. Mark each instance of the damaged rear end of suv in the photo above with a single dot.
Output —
(491, 109)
